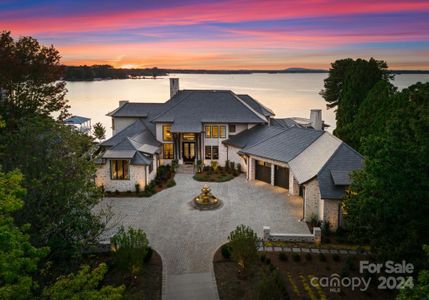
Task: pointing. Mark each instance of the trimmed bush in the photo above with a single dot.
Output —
(239, 168)
(130, 247)
(322, 257)
(171, 182)
(336, 257)
(225, 250)
(296, 257)
(308, 256)
(137, 188)
(283, 256)
(148, 255)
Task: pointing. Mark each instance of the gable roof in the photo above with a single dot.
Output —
(309, 162)
(286, 145)
(256, 105)
(138, 110)
(128, 149)
(336, 172)
(191, 107)
(253, 136)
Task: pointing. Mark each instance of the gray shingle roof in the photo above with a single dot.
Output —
(253, 136)
(137, 130)
(76, 120)
(140, 110)
(285, 122)
(342, 162)
(206, 106)
(286, 145)
(257, 106)
(341, 177)
(129, 149)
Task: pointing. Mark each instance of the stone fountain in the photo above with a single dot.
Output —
(205, 200)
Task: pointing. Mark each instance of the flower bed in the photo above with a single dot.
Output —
(216, 173)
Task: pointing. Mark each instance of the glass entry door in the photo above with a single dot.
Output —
(188, 152)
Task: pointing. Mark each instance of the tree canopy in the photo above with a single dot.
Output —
(18, 257)
(388, 204)
(30, 82)
(346, 87)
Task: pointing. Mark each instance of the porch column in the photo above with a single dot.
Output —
(197, 145)
(272, 174)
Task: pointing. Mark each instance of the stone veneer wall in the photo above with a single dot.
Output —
(137, 175)
(330, 212)
(312, 197)
(293, 184)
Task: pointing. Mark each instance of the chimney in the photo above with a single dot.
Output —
(316, 119)
(122, 102)
(174, 86)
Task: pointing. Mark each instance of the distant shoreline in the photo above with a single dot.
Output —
(105, 72)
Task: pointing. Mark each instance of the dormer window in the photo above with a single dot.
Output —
(166, 133)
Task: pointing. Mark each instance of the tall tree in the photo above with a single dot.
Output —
(59, 177)
(243, 246)
(99, 131)
(388, 206)
(18, 257)
(30, 80)
(347, 86)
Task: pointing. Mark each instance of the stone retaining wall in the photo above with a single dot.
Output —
(315, 237)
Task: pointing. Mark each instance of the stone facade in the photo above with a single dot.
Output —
(330, 212)
(311, 199)
(137, 175)
(293, 184)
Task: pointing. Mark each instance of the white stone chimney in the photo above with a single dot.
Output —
(316, 119)
(122, 102)
(174, 86)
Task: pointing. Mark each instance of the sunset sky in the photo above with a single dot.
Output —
(235, 34)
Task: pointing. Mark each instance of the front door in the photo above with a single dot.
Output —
(188, 152)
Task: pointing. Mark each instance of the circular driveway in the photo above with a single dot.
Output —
(187, 238)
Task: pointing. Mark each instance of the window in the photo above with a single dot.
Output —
(231, 128)
(215, 152)
(119, 170)
(215, 132)
(166, 133)
(167, 150)
(188, 136)
(208, 152)
(223, 132)
(208, 132)
(212, 152)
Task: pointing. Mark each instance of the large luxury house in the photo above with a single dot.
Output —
(219, 125)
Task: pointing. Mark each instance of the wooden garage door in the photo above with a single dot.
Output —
(263, 171)
(281, 177)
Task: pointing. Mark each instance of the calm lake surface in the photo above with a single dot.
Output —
(288, 95)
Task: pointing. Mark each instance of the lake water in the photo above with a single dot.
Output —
(288, 95)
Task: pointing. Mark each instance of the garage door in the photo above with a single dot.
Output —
(281, 177)
(263, 171)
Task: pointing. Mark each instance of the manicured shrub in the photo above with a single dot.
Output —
(225, 250)
(227, 165)
(131, 247)
(271, 287)
(214, 165)
(308, 256)
(148, 255)
(243, 242)
(336, 257)
(239, 168)
(314, 221)
(283, 256)
(232, 166)
(326, 228)
(137, 188)
(296, 257)
(171, 182)
(322, 257)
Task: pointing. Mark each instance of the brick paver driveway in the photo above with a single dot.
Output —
(187, 238)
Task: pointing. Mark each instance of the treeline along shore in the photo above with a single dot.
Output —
(103, 72)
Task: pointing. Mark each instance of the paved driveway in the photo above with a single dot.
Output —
(187, 238)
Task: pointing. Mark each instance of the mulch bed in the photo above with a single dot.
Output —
(147, 285)
(296, 275)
